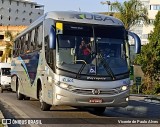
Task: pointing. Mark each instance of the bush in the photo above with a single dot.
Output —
(157, 88)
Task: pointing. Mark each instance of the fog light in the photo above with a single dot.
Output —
(58, 97)
(127, 99)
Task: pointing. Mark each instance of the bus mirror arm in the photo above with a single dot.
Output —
(52, 38)
(137, 41)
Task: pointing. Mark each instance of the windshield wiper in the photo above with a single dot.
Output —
(82, 67)
(107, 67)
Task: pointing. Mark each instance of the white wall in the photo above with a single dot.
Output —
(151, 14)
(20, 18)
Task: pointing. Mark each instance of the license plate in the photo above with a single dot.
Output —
(96, 100)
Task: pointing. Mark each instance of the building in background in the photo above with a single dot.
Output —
(15, 16)
(19, 12)
(14, 30)
(153, 6)
(143, 31)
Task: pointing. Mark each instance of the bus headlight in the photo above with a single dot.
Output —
(123, 88)
(64, 86)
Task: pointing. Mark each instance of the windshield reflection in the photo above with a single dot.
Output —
(111, 53)
(102, 55)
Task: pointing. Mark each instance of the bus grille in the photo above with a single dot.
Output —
(102, 91)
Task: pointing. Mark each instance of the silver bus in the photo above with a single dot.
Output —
(75, 59)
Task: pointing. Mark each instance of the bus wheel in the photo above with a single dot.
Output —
(44, 106)
(26, 98)
(19, 95)
(1, 89)
(99, 110)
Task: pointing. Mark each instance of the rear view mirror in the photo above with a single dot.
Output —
(137, 42)
(52, 38)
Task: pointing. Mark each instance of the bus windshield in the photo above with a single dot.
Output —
(92, 50)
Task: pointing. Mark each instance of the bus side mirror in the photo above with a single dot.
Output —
(52, 38)
(137, 42)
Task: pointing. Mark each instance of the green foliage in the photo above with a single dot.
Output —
(130, 12)
(149, 59)
(133, 89)
(9, 35)
(7, 52)
(8, 49)
(157, 88)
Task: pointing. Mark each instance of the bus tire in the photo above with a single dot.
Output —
(99, 110)
(44, 105)
(1, 89)
(19, 95)
(26, 98)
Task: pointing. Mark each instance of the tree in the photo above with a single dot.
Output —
(130, 12)
(149, 58)
(8, 49)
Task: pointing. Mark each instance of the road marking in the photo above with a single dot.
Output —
(17, 110)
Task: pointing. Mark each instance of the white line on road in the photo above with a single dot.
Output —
(20, 112)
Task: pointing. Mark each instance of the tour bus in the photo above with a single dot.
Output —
(49, 63)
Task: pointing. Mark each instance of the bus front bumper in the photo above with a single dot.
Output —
(5, 87)
(64, 97)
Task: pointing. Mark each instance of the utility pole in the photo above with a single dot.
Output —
(109, 4)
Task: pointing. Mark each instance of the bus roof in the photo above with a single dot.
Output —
(76, 17)
(83, 17)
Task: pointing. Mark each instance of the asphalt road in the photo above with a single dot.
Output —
(138, 111)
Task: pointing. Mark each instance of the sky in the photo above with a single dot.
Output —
(75, 5)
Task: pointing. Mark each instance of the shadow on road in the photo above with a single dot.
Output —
(135, 109)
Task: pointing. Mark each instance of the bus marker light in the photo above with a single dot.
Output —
(49, 79)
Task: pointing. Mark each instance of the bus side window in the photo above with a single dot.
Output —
(26, 43)
(32, 40)
(18, 47)
(40, 36)
(29, 41)
(47, 48)
(49, 54)
(22, 45)
(14, 49)
(35, 39)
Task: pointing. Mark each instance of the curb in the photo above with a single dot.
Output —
(152, 99)
(140, 95)
(148, 98)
